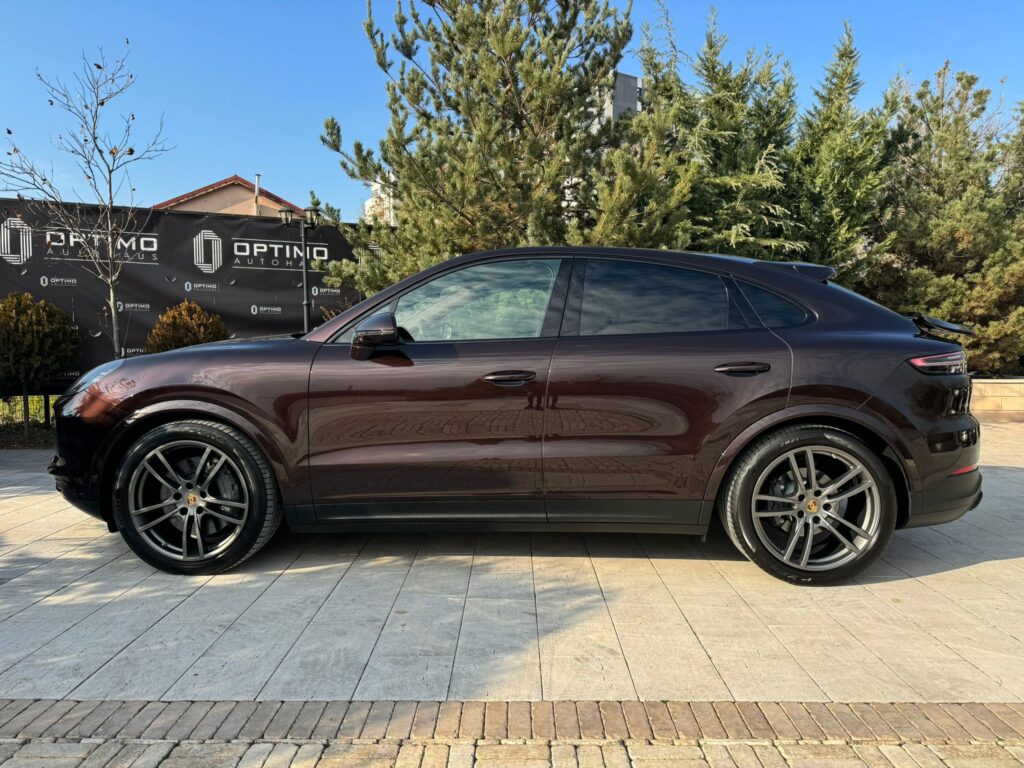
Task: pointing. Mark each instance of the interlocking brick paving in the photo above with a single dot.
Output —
(409, 734)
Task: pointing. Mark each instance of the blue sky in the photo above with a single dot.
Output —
(244, 87)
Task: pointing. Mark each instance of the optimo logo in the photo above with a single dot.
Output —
(15, 242)
(132, 306)
(264, 309)
(207, 251)
(191, 285)
(58, 282)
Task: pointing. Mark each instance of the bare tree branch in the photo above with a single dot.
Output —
(103, 156)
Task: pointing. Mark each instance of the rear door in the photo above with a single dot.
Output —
(658, 366)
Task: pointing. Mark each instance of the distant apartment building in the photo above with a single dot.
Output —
(624, 97)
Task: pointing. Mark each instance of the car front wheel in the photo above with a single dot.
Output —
(810, 504)
(195, 497)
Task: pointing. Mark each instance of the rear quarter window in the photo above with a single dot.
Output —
(774, 310)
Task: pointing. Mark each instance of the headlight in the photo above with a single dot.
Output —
(88, 379)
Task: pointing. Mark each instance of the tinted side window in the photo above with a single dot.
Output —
(774, 311)
(634, 297)
(498, 300)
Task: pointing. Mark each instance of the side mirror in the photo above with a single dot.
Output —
(375, 330)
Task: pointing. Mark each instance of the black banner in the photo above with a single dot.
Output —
(247, 270)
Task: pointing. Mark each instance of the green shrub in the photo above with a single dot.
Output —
(184, 325)
(37, 342)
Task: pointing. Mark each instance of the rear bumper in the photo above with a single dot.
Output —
(947, 501)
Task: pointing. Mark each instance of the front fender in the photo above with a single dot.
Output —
(285, 453)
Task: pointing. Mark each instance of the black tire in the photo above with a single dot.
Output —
(736, 505)
(247, 465)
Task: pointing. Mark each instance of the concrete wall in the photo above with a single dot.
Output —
(998, 400)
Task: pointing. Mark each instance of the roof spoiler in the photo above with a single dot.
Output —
(819, 272)
(931, 324)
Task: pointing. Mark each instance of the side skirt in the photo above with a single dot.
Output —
(494, 526)
(621, 515)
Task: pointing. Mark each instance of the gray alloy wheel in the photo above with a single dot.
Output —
(195, 496)
(810, 504)
(816, 508)
(188, 500)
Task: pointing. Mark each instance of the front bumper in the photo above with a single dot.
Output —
(72, 488)
(84, 423)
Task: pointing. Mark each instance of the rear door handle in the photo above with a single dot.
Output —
(510, 378)
(743, 369)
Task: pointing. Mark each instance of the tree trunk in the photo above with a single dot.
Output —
(24, 411)
(46, 410)
(115, 325)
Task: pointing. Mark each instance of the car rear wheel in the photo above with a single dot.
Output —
(810, 504)
(195, 497)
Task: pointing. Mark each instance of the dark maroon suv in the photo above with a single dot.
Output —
(544, 389)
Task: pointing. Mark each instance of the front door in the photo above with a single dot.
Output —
(657, 368)
(447, 423)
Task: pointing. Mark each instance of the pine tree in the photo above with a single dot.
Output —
(641, 190)
(740, 112)
(839, 163)
(700, 166)
(955, 249)
(1011, 180)
(495, 123)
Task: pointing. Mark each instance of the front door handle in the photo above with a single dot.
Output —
(743, 369)
(510, 378)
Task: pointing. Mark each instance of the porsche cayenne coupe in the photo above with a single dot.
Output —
(585, 389)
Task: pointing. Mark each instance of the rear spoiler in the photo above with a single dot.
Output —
(930, 324)
(819, 272)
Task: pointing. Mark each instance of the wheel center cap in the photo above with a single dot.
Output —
(192, 499)
(812, 506)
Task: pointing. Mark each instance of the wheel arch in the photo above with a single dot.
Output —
(894, 454)
(158, 414)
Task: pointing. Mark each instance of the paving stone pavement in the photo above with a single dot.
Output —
(513, 651)
(507, 734)
(509, 617)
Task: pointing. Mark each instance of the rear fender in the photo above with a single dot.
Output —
(833, 415)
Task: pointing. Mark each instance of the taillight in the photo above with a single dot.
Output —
(948, 362)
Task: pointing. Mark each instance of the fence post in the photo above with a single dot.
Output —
(46, 410)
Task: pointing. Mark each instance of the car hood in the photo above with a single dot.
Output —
(254, 343)
(248, 339)
(230, 369)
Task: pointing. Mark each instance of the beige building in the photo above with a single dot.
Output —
(380, 207)
(233, 195)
